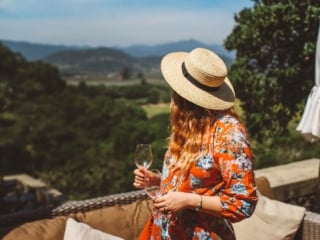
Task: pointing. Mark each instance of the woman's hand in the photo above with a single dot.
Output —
(172, 202)
(145, 178)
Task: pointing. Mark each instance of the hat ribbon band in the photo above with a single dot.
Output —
(194, 81)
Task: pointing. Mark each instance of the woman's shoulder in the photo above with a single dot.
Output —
(227, 123)
(228, 119)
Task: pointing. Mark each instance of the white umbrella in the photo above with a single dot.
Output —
(309, 124)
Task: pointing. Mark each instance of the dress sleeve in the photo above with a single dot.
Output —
(232, 152)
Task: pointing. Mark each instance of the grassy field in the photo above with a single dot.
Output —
(96, 79)
(155, 109)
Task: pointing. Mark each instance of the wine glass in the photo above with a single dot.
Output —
(154, 190)
(143, 159)
(143, 155)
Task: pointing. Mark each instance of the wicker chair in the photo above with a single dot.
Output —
(96, 203)
(309, 229)
(67, 209)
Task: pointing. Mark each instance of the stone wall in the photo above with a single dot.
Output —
(295, 182)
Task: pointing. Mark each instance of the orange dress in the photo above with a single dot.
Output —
(224, 170)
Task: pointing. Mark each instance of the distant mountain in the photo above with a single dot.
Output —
(35, 51)
(102, 60)
(139, 58)
(162, 49)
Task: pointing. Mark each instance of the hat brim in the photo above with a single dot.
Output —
(220, 98)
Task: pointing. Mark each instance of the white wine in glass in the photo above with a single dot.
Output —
(143, 155)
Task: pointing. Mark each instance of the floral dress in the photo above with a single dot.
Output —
(226, 171)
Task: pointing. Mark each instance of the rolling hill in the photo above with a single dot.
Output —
(101, 60)
(74, 60)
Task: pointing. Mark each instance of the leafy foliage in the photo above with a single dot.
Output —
(273, 74)
(274, 67)
(79, 139)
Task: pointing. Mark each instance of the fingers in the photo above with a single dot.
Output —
(160, 203)
(159, 200)
(139, 172)
(146, 178)
(169, 203)
(166, 211)
(163, 205)
(139, 179)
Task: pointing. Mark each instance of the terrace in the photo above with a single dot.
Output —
(293, 188)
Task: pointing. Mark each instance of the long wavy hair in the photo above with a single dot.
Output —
(189, 124)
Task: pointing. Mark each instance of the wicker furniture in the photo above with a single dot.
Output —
(128, 211)
(124, 214)
(121, 214)
(100, 202)
(311, 226)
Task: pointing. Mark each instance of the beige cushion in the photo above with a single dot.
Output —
(81, 231)
(41, 229)
(271, 219)
(125, 221)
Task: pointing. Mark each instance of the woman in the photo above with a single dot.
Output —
(207, 177)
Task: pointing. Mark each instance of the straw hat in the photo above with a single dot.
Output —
(200, 77)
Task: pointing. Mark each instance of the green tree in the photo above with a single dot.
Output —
(78, 139)
(274, 67)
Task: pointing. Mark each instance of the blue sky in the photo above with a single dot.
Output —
(118, 22)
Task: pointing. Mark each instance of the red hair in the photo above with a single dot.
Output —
(189, 123)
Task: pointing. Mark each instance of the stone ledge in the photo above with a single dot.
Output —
(27, 180)
(292, 180)
(42, 193)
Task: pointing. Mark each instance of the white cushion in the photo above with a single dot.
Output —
(81, 231)
(271, 219)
